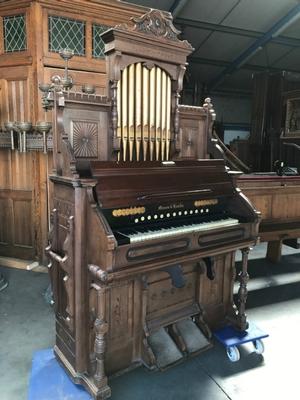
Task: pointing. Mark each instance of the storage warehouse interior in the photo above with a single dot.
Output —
(149, 199)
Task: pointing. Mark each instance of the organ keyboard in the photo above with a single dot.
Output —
(172, 229)
(145, 204)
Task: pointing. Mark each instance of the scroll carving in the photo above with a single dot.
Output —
(156, 23)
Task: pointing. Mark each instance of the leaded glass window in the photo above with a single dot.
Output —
(66, 33)
(98, 44)
(14, 32)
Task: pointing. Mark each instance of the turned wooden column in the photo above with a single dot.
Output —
(101, 329)
(243, 278)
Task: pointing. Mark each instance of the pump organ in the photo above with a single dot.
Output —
(143, 232)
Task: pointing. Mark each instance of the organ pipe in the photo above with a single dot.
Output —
(144, 113)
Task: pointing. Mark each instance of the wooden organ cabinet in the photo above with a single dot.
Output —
(31, 35)
(143, 233)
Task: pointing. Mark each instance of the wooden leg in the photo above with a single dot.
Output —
(274, 251)
(243, 292)
(101, 329)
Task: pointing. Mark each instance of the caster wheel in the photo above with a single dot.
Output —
(233, 353)
(259, 346)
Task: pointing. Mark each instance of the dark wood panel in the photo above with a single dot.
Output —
(5, 225)
(22, 226)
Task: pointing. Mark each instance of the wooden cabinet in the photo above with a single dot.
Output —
(25, 192)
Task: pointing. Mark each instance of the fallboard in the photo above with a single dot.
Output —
(143, 183)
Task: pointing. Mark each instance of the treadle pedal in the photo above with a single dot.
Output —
(164, 348)
(191, 335)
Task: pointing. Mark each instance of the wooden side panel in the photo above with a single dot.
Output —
(22, 214)
(88, 132)
(286, 206)
(5, 226)
(120, 311)
(5, 175)
(124, 325)
(263, 204)
(18, 100)
(216, 294)
(16, 199)
(164, 297)
(193, 133)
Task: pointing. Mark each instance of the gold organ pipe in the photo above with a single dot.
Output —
(144, 113)
(119, 110)
(138, 109)
(124, 132)
(145, 130)
(163, 113)
(131, 93)
(168, 116)
(152, 112)
(158, 113)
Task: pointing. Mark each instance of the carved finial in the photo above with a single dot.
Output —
(207, 103)
(209, 107)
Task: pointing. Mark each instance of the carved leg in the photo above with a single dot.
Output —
(243, 292)
(274, 251)
(101, 328)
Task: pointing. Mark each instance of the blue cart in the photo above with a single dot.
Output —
(231, 338)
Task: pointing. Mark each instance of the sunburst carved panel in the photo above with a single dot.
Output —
(85, 139)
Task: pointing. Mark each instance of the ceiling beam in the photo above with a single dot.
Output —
(258, 44)
(225, 64)
(283, 40)
(249, 67)
(177, 6)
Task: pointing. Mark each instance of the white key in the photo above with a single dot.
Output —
(164, 232)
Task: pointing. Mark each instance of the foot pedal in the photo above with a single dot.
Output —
(192, 337)
(164, 349)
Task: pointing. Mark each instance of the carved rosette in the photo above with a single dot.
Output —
(85, 138)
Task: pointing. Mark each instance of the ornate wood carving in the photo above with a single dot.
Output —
(85, 138)
(66, 264)
(243, 292)
(101, 329)
(158, 24)
(176, 123)
(114, 115)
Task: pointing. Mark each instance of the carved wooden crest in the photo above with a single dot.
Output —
(156, 23)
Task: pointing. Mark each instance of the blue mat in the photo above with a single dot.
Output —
(49, 381)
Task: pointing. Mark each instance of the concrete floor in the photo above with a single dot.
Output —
(27, 324)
